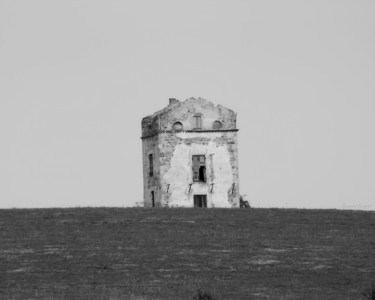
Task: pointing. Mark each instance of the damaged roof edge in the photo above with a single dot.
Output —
(173, 102)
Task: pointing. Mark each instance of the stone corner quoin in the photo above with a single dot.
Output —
(190, 155)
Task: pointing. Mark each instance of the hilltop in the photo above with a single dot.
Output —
(137, 253)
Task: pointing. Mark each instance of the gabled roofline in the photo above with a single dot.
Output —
(176, 103)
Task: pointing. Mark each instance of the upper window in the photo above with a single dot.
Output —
(217, 125)
(151, 164)
(177, 126)
(197, 122)
(199, 168)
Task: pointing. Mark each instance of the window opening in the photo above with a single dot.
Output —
(198, 122)
(177, 126)
(151, 164)
(199, 168)
(200, 200)
(217, 125)
(153, 198)
(202, 171)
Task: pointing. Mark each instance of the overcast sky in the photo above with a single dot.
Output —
(76, 78)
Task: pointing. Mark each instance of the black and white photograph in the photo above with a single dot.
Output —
(202, 150)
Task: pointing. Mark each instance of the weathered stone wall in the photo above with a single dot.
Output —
(220, 150)
(151, 183)
(150, 125)
(173, 147)
(184, 113)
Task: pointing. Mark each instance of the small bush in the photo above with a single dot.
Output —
(201, 295)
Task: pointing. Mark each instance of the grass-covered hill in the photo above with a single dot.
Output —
(138, 253)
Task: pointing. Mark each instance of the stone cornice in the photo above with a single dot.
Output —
(188, 131)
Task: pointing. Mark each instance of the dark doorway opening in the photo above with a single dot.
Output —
(202, 172)
(199, 168)
(153, 198)
(200, 200)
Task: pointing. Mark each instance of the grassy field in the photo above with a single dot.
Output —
(137, 253)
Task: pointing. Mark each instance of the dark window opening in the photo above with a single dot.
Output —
(217, 125)
(178, 126)
(200, 201)
(153, 198)
(202, 172)
(199, 168)
(151, 164)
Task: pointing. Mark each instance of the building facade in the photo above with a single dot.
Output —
(190, 156)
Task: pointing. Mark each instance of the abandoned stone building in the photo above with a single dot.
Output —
(190, 156)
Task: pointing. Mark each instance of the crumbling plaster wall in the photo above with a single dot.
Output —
(150, 146)
(184, 112)
(172, 181)
(220, 150)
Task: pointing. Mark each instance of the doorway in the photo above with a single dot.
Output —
(153, 198)
(200, 200)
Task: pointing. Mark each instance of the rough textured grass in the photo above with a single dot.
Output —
(137, 253)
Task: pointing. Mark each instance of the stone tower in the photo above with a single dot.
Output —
(190, 156)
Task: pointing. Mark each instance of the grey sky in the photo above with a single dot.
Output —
(76, 77)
